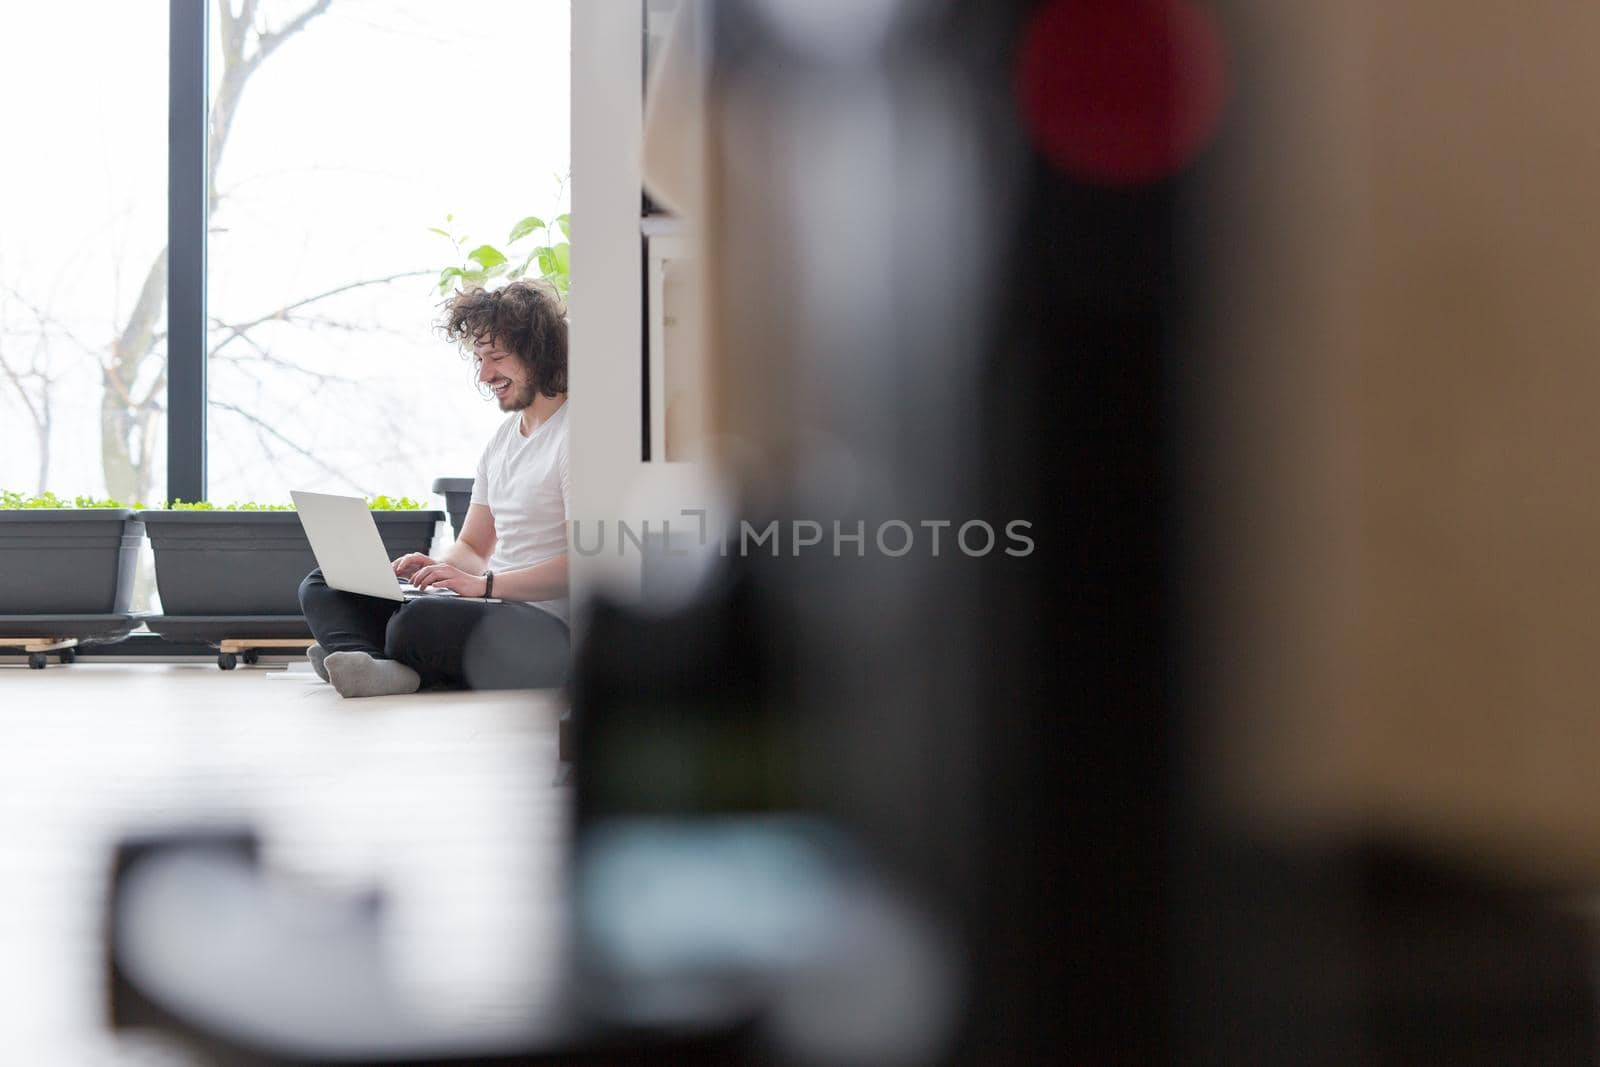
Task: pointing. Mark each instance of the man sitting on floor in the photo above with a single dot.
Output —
(512, 546)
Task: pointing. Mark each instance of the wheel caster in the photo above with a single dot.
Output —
(227, 661)
(252, 656)
(37, 660)
(69, 655)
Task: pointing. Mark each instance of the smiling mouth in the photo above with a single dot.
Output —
(500, 388)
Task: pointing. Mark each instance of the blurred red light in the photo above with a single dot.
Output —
(1121, 92)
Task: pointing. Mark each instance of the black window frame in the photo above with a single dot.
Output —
(188, 146)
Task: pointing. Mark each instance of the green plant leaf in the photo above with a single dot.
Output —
(525, 227)
(563, 257)
(446, 277)
(565, 222)
(394, 503)
(12, 500)
(487, 256)
(441, 233)
(207, 505)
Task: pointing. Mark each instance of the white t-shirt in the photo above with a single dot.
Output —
(524, 482)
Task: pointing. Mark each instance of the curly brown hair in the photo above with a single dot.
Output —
(526, 318)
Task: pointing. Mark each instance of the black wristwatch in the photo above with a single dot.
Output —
(488, 584)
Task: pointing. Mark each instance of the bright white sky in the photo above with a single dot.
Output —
(352, 139)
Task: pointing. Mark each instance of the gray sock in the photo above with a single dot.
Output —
(356, 674)
(316, 654)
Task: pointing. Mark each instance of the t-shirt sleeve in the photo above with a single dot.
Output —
(480, 481)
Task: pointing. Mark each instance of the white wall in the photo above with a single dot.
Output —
(606, 312)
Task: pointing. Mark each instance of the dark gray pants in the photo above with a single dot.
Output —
(450, 642)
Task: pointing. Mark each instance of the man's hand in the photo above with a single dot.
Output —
(411, 563)
(450, 577)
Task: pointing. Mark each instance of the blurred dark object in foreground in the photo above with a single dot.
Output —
(250, 969)
(713, 927)
(1364, 954)
(1169, 789)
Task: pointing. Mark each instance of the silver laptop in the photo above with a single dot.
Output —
(345, 539)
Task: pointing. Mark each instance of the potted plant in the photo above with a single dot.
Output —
(73, 567)
(72, 557)
(220, 568)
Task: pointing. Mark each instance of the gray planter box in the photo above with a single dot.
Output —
(68, 561)
(457, 493)
(250, 562)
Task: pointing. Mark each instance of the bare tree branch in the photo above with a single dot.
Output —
(324, 322)
(151, 401)
(236, 71)
(147, 418)
(267, 43)
(232, 29)
(127, 474)
(263, 427)
(18, 382)
(48, 322)
(39, 412)
(313, 322)
(265, 356)
(282, 314)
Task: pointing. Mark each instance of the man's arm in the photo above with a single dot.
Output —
(475, 545)
(469, 553)
(542, 581)
(460, 567)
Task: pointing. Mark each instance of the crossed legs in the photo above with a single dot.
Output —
(447, 642)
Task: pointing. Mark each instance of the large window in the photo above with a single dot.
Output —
(83, 216)
(357, 136)
(342, 132)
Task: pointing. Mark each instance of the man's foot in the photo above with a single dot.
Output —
(316, 654)
(356, 674)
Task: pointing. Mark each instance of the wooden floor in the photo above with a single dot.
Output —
(448, 802)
